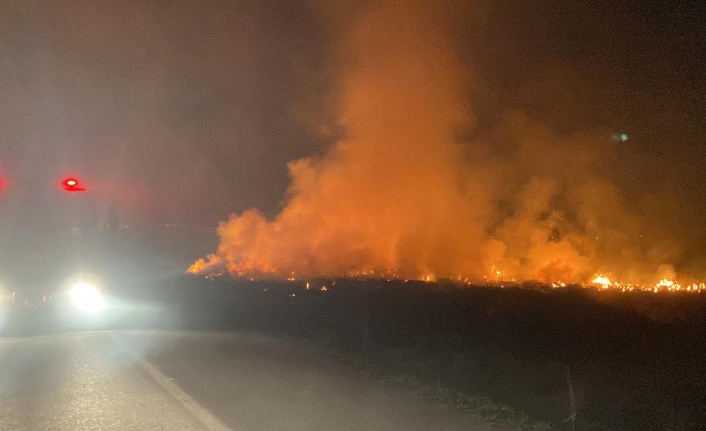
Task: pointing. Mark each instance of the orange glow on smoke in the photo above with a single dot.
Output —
(401, 198)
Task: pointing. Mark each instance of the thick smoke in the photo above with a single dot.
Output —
(413, 191)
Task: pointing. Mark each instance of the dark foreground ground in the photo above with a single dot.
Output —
(636, 361)
(176, 381)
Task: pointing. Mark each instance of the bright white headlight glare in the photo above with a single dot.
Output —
(87, 298)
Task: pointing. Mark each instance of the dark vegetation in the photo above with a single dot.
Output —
(636, 360)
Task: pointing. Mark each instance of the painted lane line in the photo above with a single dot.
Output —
(211, 422)
(205, 416)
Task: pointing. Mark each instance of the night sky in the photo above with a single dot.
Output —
(188, 111)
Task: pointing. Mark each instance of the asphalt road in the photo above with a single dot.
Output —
(197, 381)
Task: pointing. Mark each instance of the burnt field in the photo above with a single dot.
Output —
(634, 360)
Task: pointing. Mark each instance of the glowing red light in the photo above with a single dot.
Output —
(71, 185)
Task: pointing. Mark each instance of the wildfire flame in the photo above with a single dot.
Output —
(401, 198)
(663, 285)
(602, 281)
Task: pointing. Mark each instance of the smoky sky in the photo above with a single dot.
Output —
(178, 111)
(188, 111)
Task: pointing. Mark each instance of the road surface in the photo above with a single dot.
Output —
(197, 381)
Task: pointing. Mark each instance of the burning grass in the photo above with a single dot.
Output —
(599, 281)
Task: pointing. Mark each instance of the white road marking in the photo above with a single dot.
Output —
(206, 417)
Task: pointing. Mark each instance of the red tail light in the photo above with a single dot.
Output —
(72, 185)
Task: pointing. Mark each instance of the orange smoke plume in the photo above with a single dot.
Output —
(402, 196)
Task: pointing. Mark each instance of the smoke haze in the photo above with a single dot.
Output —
(438, 138)
(415, 188)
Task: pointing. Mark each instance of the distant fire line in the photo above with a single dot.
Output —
(601, 282)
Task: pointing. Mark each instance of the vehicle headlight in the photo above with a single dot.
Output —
(87, 297)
